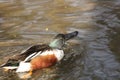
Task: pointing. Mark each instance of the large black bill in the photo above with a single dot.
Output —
(71, 35)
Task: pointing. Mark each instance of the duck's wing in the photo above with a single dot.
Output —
(26, 55)
(34, 51)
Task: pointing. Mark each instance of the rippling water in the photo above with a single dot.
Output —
(93, 55)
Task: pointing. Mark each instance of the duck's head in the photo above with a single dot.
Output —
(60, 39)
(10, 64)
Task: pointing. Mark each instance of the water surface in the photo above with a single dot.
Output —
(93, 55)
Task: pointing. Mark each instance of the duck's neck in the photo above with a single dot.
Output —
(58, 44)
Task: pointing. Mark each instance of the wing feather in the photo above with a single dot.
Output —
(33, 51)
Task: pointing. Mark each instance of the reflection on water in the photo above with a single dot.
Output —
(93, 55)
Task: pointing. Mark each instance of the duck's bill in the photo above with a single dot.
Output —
(71, 35)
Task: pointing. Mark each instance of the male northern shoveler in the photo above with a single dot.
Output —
(40, 56)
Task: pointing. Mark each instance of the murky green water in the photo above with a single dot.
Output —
(93, 55)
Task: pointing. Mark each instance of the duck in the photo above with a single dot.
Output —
(39, 56)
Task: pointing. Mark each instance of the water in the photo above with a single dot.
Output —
(93, 55)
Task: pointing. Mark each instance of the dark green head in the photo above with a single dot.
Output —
(60, 39)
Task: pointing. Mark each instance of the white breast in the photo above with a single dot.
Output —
(58, 53)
